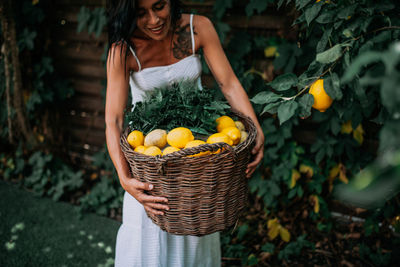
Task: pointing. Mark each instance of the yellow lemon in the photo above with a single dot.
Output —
(224, 122)
(270, 51)
(179, 137)
(195, 143)
(140, 149)
(243, 136)
(170, 149)
(240, 125)
(135, 138)
(157, 137)
(233, 133)
(322, 101)
(152, 151)
(219, 137)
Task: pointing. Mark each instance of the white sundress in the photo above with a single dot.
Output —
(140, 242)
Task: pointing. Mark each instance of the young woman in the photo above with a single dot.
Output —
(152, 44)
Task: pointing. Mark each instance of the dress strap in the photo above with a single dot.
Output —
(137, 60)
(191, 32)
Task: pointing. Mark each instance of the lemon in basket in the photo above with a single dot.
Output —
(243, 136)
(179, 137)
(140, 149)
(240, 125)
(135, 138)
(233, 133)
(195, 143)
(169, 149)
(152, 151)
(224, 122)
(219, 137)
(157, 137)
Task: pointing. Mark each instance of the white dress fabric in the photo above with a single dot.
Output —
(141, 243)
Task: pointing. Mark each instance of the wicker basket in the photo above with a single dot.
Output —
(205, 194)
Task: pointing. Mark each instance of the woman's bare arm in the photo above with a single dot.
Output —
(228, 82)
(116, 100)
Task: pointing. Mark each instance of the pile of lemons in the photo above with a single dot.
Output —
(159, 142)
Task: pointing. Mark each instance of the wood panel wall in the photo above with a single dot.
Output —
(79, 57)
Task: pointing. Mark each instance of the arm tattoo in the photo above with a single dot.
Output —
(182, 47)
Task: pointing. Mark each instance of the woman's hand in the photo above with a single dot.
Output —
(154, 205)
(258, 152)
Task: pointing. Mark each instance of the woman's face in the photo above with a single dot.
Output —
(154, 18)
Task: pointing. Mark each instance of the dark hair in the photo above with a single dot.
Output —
(121, 22)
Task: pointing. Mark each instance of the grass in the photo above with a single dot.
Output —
(40, 232)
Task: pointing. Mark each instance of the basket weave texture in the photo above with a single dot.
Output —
(205, 194)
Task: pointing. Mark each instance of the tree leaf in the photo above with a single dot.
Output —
(312, 12)
(271, 108)
(287, 110)
(332, 86)
(265, 97)
(284, 82)
(306, 102)
(273, 228)
(344, 13)
(284, 233)
(330, 55)
(359, 62)
(324, 40)
(258, 5)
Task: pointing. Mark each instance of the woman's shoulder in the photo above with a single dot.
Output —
(198, 20)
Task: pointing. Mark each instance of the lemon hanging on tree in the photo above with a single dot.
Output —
(322, 101)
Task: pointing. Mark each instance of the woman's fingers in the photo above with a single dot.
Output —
(251, 167)
(152, 199)
(141, 186)
(153, 211)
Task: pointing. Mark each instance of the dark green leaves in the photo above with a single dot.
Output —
(94, 20)
(330, 55)
(265, 97)
(287, 110)
(312, 12)
(284, 82)
(332, 86)
(256, 5)
(183, 105)
(358, 63)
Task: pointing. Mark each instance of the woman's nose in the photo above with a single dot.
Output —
(153, 20)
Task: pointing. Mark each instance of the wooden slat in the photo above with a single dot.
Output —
(83, 136)
(66, 33)
(88, 86)
(86, 104)
(87, 122)
(76, 69)
(81, 51)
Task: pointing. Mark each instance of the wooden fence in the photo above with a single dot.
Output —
(79, 57)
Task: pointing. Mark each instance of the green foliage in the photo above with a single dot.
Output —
(180, 105)
(352, 46)
(106, 192)
(51, 177)
(294, 248)
(92, 20)
(44, 89)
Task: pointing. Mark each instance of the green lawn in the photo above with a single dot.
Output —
(40, 232)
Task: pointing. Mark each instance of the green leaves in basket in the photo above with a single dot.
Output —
(180, 105)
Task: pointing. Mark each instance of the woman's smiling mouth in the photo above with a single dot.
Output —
(157, 30)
